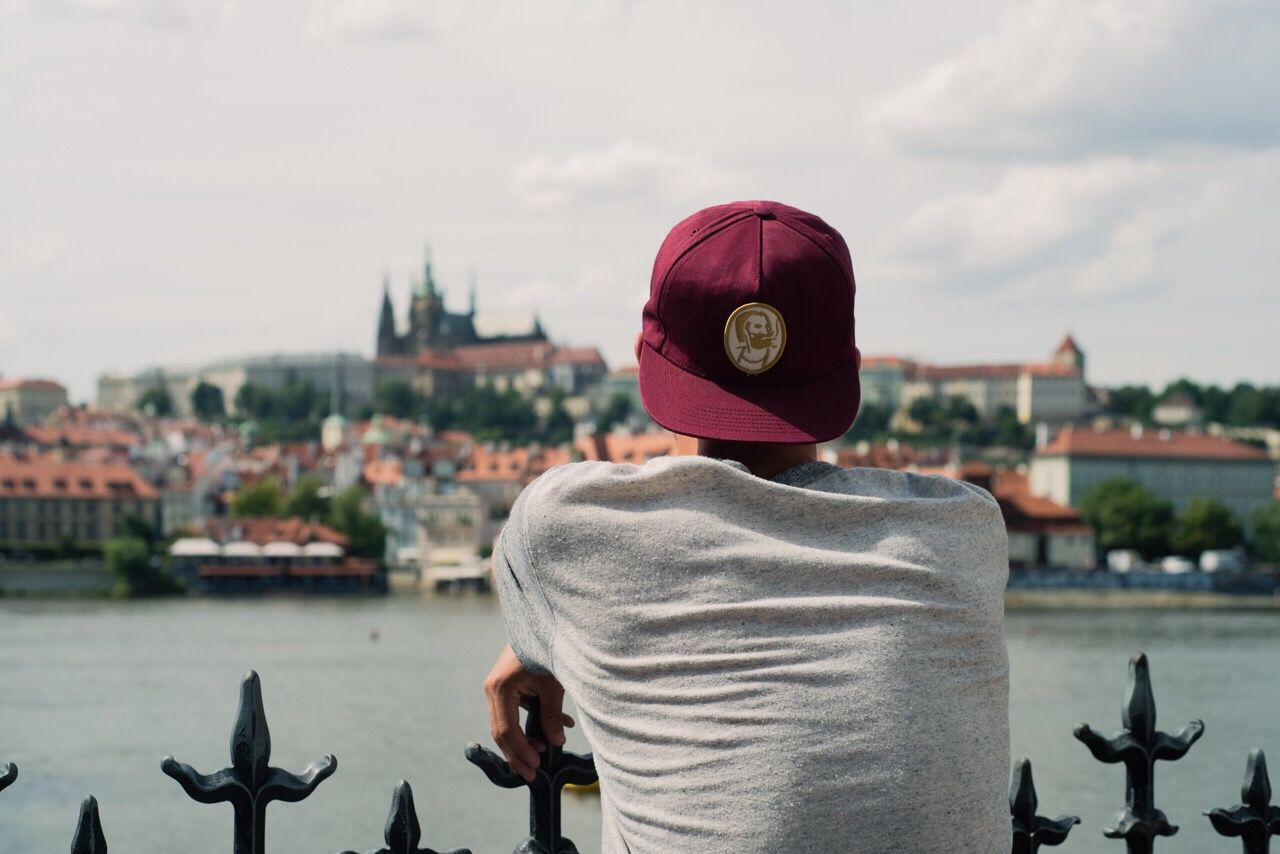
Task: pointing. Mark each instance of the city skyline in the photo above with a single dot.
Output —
(1003, 173)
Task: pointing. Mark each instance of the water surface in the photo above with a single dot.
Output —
(94, 694)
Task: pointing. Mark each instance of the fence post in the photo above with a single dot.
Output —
(1030, 831)
(89, 838)
(1139, 746)
(250, 783)
(402, 833)
(1254, 820)
(556, 769)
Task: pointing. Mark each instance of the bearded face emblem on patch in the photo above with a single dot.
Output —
(754, 337)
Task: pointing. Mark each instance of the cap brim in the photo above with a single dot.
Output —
(685, 403)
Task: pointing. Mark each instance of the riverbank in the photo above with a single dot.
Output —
(1084, 599)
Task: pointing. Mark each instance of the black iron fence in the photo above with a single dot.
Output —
(250, 783)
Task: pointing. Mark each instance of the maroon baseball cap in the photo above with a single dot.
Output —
(748, 331)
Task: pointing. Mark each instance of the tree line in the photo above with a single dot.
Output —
(1242, 405)
(1126, 515)
(296, 411)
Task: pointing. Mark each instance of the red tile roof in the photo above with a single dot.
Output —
(963, 372)
(77, 436)
(31, 385)
(637, 448)
(1030, 513)
(887, 362)
(509, 355)
(1068, 345)
(387, 472)
(44, 477)
(519, 464)
(1160, 444)
(577, 356)
(260, 530)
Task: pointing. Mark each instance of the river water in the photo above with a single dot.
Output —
(94, 694)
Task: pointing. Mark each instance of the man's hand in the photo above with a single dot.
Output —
(508, 687)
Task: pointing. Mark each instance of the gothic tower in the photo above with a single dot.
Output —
(388, 342)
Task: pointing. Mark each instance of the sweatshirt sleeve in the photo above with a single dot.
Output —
(525, 610)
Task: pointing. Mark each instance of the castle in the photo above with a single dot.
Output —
(432, 327)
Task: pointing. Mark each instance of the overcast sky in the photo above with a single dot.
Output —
(192, 179)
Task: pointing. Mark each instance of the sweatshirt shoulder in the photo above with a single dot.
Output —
(904, 485)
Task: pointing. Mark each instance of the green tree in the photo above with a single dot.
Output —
(262, 498)
(207, 402)
(130, 563)
(1124, 515)
(871, 422)
(156, 400)
(558, 428)
(397, 398)
(305, 500)
(366, 532)
(299, 400)
(1135, 401)
(1266, 532)
(1010, 432)
(138, 528)
(959, 411)
(255, 401)
(1205, 524)
(616, 410)
(926, 412)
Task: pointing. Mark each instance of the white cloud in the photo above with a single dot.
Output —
(626, 170)
(162, 14)
(1034, 216)
(1065, 77)
(378, 20)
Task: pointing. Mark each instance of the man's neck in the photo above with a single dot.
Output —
(763, 459)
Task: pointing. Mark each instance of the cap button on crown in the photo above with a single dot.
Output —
(761, 210)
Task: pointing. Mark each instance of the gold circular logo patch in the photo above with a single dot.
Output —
(754, 337)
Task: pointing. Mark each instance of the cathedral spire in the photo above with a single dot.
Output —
(386, 320)
(471, 279)
(428, 279)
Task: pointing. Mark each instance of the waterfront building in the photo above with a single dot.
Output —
(250, 555)
(453, 526)
(30, 401)
(47, 503)
(1175, 465)
(1054, 391)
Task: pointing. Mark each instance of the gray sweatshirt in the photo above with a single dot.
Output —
(813, 663)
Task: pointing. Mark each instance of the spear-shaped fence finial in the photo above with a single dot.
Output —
(251, 782)
(403, 833)
(1139, 746)
(1254, 819)
(1030, 831)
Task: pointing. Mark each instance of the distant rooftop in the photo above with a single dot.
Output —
(1166, 444)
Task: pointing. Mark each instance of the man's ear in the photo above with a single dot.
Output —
(639, 344)
(857, 359)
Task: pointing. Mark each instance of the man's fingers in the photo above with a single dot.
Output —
(504, 721)
(550, 712)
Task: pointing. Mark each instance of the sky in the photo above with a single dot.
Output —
(184, 180)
